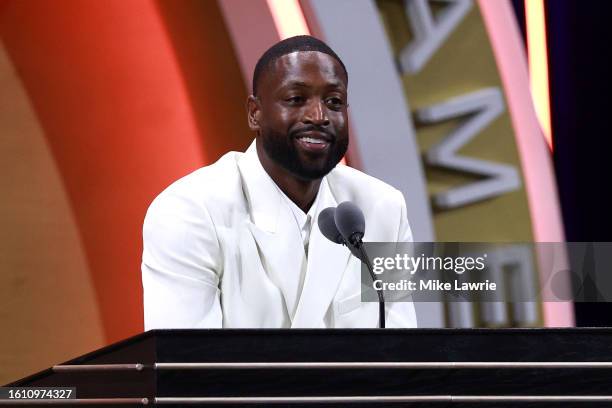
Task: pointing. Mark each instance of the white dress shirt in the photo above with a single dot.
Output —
(303, 224)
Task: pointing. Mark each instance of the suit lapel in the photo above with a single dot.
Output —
(260, 191)
(327, 262)
(273, 228)
(282, 254)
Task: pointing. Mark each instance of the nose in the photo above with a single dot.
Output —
(316, 113)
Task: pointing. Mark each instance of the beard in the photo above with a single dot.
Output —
(282, 149)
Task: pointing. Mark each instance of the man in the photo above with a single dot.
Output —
(236, 243)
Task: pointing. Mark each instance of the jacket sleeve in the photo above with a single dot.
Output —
(401, 314)
(180, 265)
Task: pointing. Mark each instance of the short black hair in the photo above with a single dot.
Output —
(288, 46)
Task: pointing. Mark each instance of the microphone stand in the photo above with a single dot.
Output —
(358, 243)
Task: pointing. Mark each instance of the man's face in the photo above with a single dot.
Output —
(300, 114)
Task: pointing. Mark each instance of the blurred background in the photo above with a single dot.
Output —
(490, 116)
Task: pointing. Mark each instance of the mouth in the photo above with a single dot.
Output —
(313, 141)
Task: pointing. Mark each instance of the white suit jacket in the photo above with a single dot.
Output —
(222, 249)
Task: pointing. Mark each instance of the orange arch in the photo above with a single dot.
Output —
(128, 104)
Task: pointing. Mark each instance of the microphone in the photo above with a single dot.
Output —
(327, 225)
(349, 222)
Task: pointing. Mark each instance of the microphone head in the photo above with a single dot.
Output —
(350, 222)
(327, 225)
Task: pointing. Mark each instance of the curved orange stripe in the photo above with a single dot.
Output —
(105, 84)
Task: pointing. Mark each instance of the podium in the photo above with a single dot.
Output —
(369, 367)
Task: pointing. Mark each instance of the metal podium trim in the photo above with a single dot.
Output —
(384, 399)
(97, 367)
(77, 401)
(380, 365)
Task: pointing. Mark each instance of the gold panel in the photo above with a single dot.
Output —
(48, 311)
(463, 64)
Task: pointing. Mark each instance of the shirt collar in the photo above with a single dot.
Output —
(265, 197)
(303, 219)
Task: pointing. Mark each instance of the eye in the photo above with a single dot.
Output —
(295, 100)
(335, 103)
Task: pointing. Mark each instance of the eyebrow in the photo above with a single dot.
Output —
(291, 84)
(296, 84)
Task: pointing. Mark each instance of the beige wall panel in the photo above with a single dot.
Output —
(48, 310)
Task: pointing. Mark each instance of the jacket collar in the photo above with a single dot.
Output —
(260, 190)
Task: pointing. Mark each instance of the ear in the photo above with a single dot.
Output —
(253, 112)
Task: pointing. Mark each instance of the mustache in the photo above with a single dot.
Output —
(312, 128)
